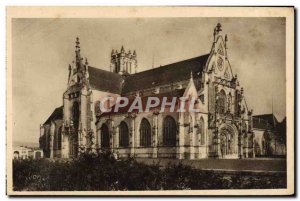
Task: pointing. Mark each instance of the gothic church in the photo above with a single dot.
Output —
(221, 129)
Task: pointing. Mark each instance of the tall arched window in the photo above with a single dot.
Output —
(104, 136)
(229, 103)
(145, 133)
(123, 135)
(59, 138)
(222, 101)
(201, 131)
(169, 132)
(266, 144)
(75, 115)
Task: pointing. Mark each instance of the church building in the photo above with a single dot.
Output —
(222, 128)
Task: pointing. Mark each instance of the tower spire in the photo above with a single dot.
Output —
(77, 46)
(77, 50)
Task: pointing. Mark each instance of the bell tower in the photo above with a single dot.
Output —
(122, 62)
(77, 110)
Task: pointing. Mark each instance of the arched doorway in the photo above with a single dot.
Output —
(228, 142)
(104, 136)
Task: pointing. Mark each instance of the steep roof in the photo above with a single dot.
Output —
(265, 121)
(167, 74)
(104, 80)
(56, 114)
(144, 99)
(113, 82)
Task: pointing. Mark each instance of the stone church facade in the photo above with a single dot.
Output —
(221, 129)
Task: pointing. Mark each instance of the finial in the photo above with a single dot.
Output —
(134, 53)
(129, 52)
(77, 43)
(219, 27)
(86, 61)
(191, 75)
(226, 39)
(70, 67)
(242, 90)
(112, 52)
(122, 49)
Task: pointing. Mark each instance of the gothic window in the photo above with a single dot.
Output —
(266, 144)
(222, 102)
(75, 115)
(117, 67)
(123, 135)
(104, 136)
(229, 105)
(169, 132)
(201, 132)
(58, 140)
(145, 133)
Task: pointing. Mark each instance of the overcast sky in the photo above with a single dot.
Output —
(43, 48)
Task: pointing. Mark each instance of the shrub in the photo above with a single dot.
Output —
(96, 172)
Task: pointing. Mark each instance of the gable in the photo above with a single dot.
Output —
(218, 61)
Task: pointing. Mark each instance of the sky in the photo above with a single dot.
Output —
(43, 49)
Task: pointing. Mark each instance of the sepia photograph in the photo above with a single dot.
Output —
(150, 101)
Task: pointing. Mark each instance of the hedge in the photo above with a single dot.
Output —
(101, 172)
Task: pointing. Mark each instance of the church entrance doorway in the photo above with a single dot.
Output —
(228, 142)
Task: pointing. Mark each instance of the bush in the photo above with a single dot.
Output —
(96, 172)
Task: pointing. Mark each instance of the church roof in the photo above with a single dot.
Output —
(265, 121)
(56, 114)
(167, 74)
(104, 80)
(113, 82)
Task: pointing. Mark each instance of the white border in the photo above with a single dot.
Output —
(88, 2)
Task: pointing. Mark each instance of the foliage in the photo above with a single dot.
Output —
(102, 172)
